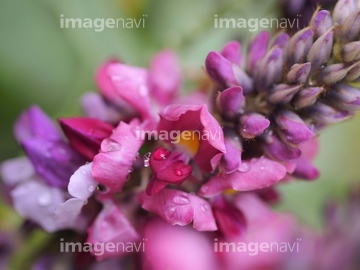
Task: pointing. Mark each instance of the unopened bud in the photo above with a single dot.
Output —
(283, 93)
(299, 73)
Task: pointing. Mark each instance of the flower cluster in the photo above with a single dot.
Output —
(101, 179)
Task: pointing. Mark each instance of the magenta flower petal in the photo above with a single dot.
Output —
(196, 118)
(111, 226)
(180, 208)
(176, 248)
(113, 164)
(231, 160)
(55, 161)
(34, 123)
(252, 175)
(230, 220)
(164, 77)
(121, 83)
(85, 134)
(232, 52)
(252, 125)
(16, 170)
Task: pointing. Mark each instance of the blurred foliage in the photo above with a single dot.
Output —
(44, 64)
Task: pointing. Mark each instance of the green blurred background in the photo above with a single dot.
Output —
(44, 64)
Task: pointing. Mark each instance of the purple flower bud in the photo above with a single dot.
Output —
(326, 114)
(230, 101)
(299, 73)
(220, 69)
(291, 128)
(350, 27)
(269, 70)
(334, 73)
(283, 93)
(280, 40)
(231, 159)
(353, 74)
(305, 169)
(320, 51)
(342, 9)
(232, 52)
(252, 125)
(350, 52)
(321, 22)
(278, 150)
(345, 97)
(34, 123)
(243, 80)
(307, 97)
(257, 50)
(299, 46)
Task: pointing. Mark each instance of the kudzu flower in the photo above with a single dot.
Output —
(118, 177)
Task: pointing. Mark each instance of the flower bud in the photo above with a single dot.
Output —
(230, 101)
(252, 125)
(299, 73)
(269, 70)
(231, 159)
(350, 52)
(257, 50)
(243, 80)
(345, 97)
(325, 114)
(283, 93)
(278, 150)
(232, 52)
(342, 10)
(280, 40)
(299, 46)
(220, 69)
(291, 128)
(334, 73)
(321, 22)
(307, 97)
(353, 74)
(350, 27)
(320, 51)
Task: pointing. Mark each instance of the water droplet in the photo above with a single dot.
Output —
(114, 130)
(146, 159)
(109, 145)
(44, 199)
(181, 200)
(143, 90)
(178, 172)
(131, 169)
(262, 168)
(83, 172)
(244, 167)
(204, 207)
(161, 154)
(91, 188)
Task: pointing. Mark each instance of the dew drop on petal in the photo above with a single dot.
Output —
(91, 188)
(181, 200)
(146, 159)
(178, 172)
(204, 207)
(131, 169)
(204, 189)
(109, 145)
(83, 172)
(44, 199)
(161, 154)
(244, 167)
